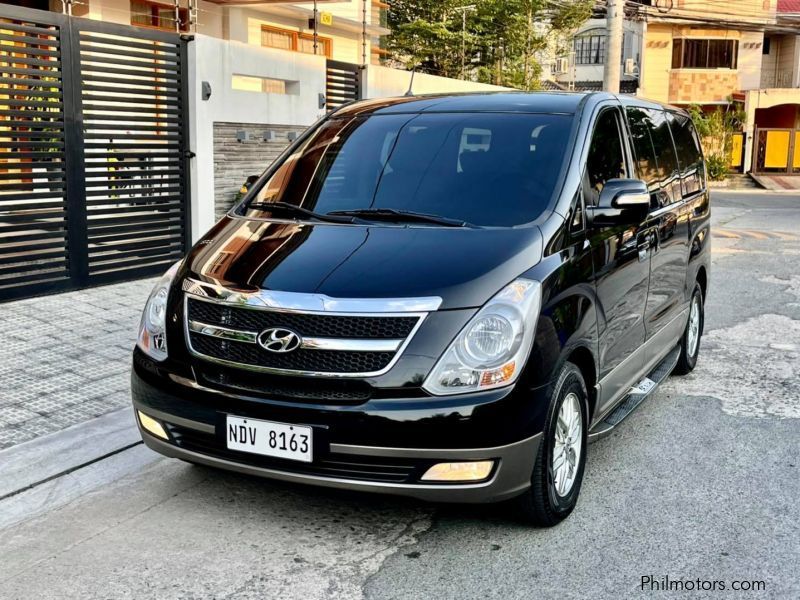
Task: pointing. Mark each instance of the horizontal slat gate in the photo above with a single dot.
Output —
(93, 168)
(33, 218)
(133, 151)
(342, 83)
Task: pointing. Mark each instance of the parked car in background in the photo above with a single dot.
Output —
(443, 297)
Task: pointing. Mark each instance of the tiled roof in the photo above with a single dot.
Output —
(548, 85)
(789, 6)
(626, 86)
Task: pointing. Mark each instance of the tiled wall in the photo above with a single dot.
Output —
(713, 85)
(235, 161)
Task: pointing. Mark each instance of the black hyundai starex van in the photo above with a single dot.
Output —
(443, 297)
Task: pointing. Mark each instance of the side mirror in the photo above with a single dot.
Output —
(621, 202)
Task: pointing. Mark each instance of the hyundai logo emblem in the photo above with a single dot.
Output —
(279, 339)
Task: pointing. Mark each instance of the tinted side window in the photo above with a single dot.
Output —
(690, 157)
(646, 164)
(643, 132)
(666, 161)
(606, 158)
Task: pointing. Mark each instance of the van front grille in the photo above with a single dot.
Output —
(335, 345)
(286, 387)
(311, 325)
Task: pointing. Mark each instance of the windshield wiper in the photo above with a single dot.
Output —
(286, 207)
(399, 216)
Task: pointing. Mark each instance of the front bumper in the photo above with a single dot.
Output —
(194, 418)
(509, 478)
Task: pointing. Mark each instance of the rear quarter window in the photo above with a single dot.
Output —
(687, 147)
(655, 154)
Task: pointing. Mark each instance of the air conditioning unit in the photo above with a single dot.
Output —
(630, 67)
(561, 66)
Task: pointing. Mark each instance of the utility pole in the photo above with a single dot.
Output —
(615, 16)
(464, 10)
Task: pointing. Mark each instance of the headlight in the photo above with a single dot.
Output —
(492, 349)
(153, 327)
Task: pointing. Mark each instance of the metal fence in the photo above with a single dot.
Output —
(93, 152)
(342, 83)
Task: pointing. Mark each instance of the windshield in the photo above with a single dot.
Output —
(486, 169)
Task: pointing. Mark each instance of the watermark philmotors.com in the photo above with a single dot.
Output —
(651, 583)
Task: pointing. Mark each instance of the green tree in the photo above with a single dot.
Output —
(492, 41)
(716, 131)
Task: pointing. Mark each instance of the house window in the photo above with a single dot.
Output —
(590, 49)
(145, 13)
(689, 53)
(286, 39)
(265, 85)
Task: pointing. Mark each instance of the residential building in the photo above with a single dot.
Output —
(710, 52)
(582, 68)
(696, 55)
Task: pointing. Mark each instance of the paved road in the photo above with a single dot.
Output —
(700, 483)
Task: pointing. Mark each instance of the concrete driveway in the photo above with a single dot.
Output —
(700, 484)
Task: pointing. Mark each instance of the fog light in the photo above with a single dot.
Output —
(152, 426)
(459, 471)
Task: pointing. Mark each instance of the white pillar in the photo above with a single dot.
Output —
(750, 104)
(201, 142)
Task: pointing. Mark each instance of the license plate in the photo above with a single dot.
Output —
(267, 438)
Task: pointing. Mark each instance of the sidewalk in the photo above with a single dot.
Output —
(65, 358)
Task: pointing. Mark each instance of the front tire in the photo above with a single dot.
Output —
(561, 458)
(690, 341)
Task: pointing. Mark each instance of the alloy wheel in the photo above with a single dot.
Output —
(693, 334)
(568, 444)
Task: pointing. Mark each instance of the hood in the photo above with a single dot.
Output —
(464, 266)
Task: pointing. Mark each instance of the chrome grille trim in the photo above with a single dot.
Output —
(291, 301)
(311, 343)
(311, 303)
(224, 333)
(350, 345)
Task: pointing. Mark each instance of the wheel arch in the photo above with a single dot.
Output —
(702, 279)
(583, 358)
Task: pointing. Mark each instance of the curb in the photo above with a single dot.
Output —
(754, 191)
(42, 459)
(51, 471)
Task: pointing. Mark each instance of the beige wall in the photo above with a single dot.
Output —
(657, 50)
(682, 86)
(385, 82)
(751, 45)
(700, 86)
(756, 11)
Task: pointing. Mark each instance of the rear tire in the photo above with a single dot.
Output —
(690, 341)
(561, 458)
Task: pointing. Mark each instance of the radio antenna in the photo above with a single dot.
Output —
(410, 91)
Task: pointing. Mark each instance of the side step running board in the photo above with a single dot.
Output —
(637, 395)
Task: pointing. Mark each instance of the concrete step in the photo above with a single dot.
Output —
(736, 181)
